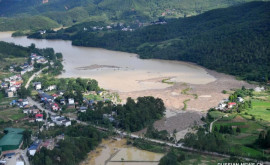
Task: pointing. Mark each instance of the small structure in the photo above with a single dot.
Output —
(240, 99)
(231, 105)
(9, 93)
(82, 109)
(55, 107)
(70, 101)
(34, 147)
(39, 117)
(51, 87)
(259, 89)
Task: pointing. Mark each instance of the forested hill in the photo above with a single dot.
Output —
(234, 40)
(9, 50)
(68, 12)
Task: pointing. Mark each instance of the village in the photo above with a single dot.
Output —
(46, 109)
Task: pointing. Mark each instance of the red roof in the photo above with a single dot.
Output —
(39, 115)
(232, 103)
(55, 95)
(55, 104)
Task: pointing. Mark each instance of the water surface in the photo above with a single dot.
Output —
(118, 71)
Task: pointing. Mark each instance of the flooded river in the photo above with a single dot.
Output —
(118, 71)
(116, 152)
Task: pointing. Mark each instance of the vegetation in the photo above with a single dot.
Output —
(180, 157)
(79, 140)
(221, 39)
(132, 116)
(32, 14)
(206, 141)
(155, 134)
(148, 146)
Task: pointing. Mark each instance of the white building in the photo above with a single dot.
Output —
(66, 123)
(38, 86)
(240, 99)
(70, 101)
(51, 87)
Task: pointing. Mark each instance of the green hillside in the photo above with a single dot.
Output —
(68, 12)
(234, 40)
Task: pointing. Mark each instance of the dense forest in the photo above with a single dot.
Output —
(132, 116)
(233, 40)
(68, 12)
(9, 50)
(79, 140)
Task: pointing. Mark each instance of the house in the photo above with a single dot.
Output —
(26, 111)
(55, 107)
(82, 109)
(232, 104)
(35, 111)
(66, 123)
(240, 99)
(34, 147)
(39, 117)
(221, 106)
(45, 97)
(259, 89)
(50, 124)
(12, 88)
(38, 86)
(48, 144)
(70, 101)
(62, 101)
(51, 87)
(55, 95)
(55, 117)
(4, 85)
(60, 120)
(9, 93)
(61, 92)
(25, 102)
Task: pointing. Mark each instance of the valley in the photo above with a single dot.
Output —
(134, 82)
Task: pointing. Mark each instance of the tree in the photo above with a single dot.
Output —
(215, 129)
(238, 130)
(44, 115)
(23, 92)
(26, 138)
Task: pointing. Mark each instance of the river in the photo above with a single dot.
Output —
(117, 71)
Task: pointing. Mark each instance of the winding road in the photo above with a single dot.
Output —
(179, 145)
(33, 76)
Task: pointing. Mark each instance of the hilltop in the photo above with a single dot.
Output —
(57, 13)
(233, 40)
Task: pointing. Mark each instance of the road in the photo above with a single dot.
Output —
(33, 76)
(211, 124)
(179, 145)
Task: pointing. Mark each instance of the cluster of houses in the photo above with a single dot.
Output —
(26, 68)
(38, 59)
(11, 85)
(226, 105)
(48, 144)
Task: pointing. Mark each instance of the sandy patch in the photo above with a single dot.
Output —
(112, 152)
(209, 95)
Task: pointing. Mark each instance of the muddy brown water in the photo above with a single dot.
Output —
(126, 72)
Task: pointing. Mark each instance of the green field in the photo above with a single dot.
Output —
(260, 109)
(11, 114)
(240, 142)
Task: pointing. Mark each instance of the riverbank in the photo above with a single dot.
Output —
(116, 151)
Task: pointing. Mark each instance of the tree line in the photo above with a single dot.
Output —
(234, 40)
(132, 116)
